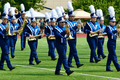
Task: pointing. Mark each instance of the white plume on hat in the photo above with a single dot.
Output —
(111, 11)
(100, 13)
(70, 7)
(54, 14)
(92, 9)
(97, 12)
(12, 11)
(22, 7)
(47, 16)
(62, 10)
(6, 9)
(50, 14)
(32, 12)
(58, 10)
(8, 4)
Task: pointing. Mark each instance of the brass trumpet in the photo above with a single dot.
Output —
(8, 24)
(23, 25)
(68, 27)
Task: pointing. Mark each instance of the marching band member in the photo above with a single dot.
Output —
(4, 40)
(72, 42)
(100, 19)
(13, 37)
(49, 31)
(90, 28)
(31, 31)
(111, 44)
(20, 22)
(61, 46)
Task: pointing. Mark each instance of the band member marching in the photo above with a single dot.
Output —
(90, 29)
(49, 31)
(111, 44)
(61, 46)
(4, 30)
(20, 22)
(100, 19)
(13, 37)
(31, 31)
(72, 42)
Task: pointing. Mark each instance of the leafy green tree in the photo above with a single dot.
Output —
(36, 4)
(99, 4)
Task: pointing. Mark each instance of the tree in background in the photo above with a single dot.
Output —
(36, 4)
(99, 4)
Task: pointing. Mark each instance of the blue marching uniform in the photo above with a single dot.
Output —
(12, 38)
(23, 37)
(72, 43)
(111, 45)
(92, 41)
(49, 30)
(61, 47)
(4, 46)
(101, 42)
(30, 30)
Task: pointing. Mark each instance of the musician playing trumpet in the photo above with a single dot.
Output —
(13, 37)
(90, 28)
(31, 31)
(72, 42)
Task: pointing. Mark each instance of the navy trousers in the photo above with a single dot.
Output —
(61, 49)
(23, 40)
(92, 41)
(51, 45)
(33, 53)
(5, 53)
(111, 44)
(73, 52)
(100, 47)
(12, 41)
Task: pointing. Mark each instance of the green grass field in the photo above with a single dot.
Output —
(45, 70)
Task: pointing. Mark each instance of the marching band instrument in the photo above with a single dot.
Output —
(8, 24)
(23, 25)
(102, 35)
(96, 33)
(16, 11)
(118, 27)
(68, 27)
(33, 38)
(51, 37)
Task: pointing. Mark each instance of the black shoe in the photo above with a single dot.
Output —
(58, 73)
(53, 59)
(70, 65)
(31, 64)
(109, 70)
(70, 72)
(12, 68)
(104, 57)
(48, 54)
(13, 56)
(92, 61)
(38, 62)
(79, 65)
(3, 69)
(22, 49)
(97, 60)
(118, 69)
